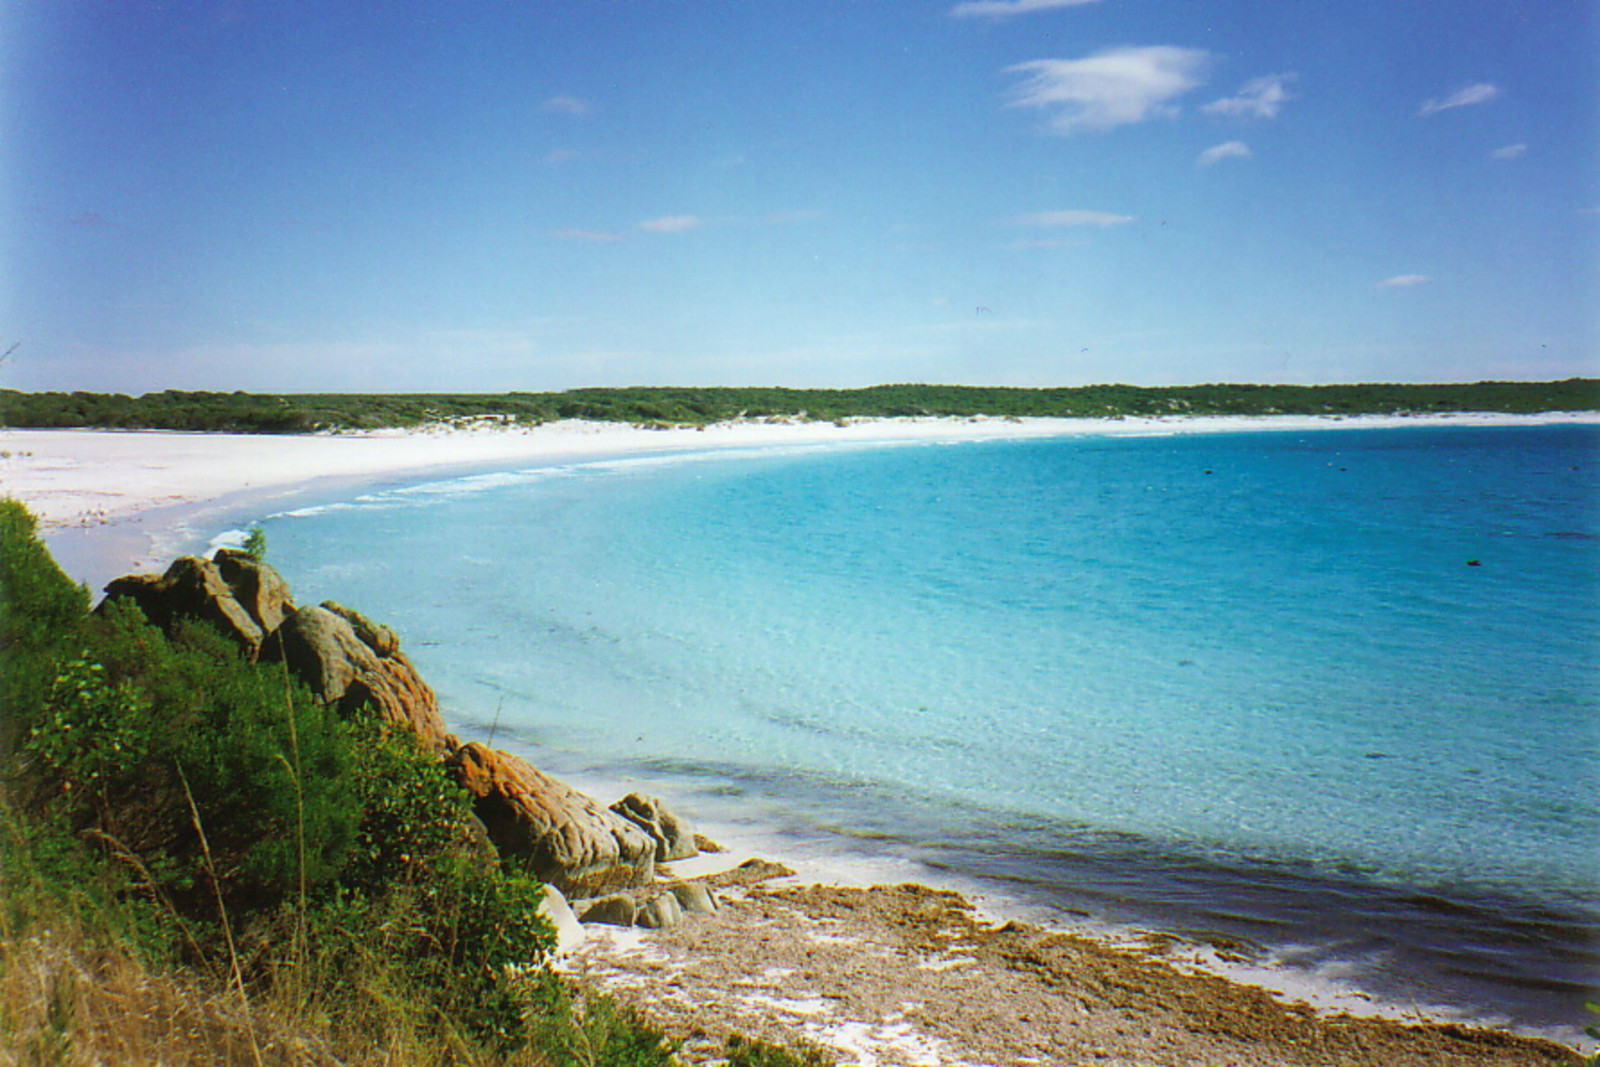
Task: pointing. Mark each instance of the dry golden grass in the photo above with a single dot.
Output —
(63, 1002)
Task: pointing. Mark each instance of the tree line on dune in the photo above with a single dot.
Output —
(241, 412)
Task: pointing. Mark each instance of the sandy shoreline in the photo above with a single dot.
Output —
(908, 976)
(110, 502)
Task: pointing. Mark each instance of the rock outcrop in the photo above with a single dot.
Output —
(674, 837)
(654, 907)
(533, 822)
(556, 833)
(192, 588)
(345, 658)
(349, 661)
(257, 586)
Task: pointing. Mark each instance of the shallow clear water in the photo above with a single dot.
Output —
(1247, 683)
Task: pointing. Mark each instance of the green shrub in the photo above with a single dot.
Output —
(136, 715)
(745, 1052)
(41, 614)
(588, 1031)
(413, 817)
(447, 916)
(255, 543)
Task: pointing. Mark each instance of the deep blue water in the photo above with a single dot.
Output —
(1331, 692)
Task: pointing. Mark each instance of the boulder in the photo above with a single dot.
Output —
(659, 912)
(558, 913)
(351, 662)
(257, 586)
(694, 898)
(674, 837)
(618, 909)
(192, 588)
(375, 636)
(545, 826)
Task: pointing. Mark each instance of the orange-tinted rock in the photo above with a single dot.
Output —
(327, 651)
(558, 834)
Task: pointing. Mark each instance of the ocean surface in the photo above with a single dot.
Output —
(1330, 697)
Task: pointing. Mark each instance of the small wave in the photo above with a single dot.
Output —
(227, 539)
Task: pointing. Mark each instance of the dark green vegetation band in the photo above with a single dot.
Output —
(306, 412)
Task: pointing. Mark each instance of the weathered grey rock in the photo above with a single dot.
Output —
(257, 586)
(192, 588)
(659, 912)
(674, 837)
(694, 898)
(558, 834)
(558, 913)
(382, 640)
(325, 649)
(615, 910)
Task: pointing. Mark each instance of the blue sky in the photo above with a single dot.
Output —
(556, 193)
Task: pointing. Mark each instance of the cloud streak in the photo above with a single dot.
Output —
(1510, 151)
(566, 105)
(671, 224)
(1481, 93)
(1226, 150)
(1116, 87)
(996, 10)
(1405, 281)
(1260, 98)
(1071, 218)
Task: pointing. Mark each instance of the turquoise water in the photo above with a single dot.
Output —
(1331, 692)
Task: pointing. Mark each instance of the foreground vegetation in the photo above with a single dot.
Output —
(307, 412)
(199, 864)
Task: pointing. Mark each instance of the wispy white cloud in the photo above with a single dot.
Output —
(1043, 242)
(591, 236)
(1260, 98)
(1481, 93)
(671, 224)
(566, 105)
(1108, 89)
(1226, 150)
(1405, 281)
(1071, 218)
(1004, 9)
(1510, 151)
